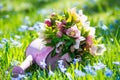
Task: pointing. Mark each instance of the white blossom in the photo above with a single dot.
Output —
(116, 63)
(99, 66)
(51, 73)
(97, 49)
(68, 75)
(79, 72)
(1, 45)
(61, 66)
(42, 63)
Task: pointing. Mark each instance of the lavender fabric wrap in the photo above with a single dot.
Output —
(41, 53)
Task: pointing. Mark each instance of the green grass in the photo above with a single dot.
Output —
(11, 19)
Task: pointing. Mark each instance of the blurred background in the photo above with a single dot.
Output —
(14, 13)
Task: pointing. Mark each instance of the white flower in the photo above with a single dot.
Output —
(99, 66)
(6, 72)
(111, 39)
(116, 63)
(97, 49)
(60, 62)
(68, 75)
(4, 40)
(91, 30)
(77, 42)
(17, 36)
(14, 62)
(75, 60)
(40, 28)
(82, 17)
(27, 20)
(1, 45)
(51, 73)
(89, 70)
(23, 28)
(79, 72)
(61, 66)
(15, 43)
(104, 27)
(42, 63)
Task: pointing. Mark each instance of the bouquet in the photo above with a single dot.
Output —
(63, 38)
(71, 33)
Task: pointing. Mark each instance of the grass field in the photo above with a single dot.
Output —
(104, 15)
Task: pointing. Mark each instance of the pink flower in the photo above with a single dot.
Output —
(59, 34)
(48, 22)
(73, 32)
(89, 41)
(60, 25)
(64, 22)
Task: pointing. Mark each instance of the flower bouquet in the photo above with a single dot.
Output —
(62, 39)
(70, 33)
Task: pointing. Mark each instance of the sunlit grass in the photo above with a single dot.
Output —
(11, 20)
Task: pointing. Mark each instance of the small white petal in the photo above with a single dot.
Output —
(51, 73)
(42, 63)
(68, 75)
(79, 73)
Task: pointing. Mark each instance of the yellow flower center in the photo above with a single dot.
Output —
(72, 33)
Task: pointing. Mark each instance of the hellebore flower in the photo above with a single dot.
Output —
(48, 22)
(91, 31)
(76, 46)
(59, 25)
(97, 49)
(73, 32)
(82, 17)
(89, 41)
(59, 34)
